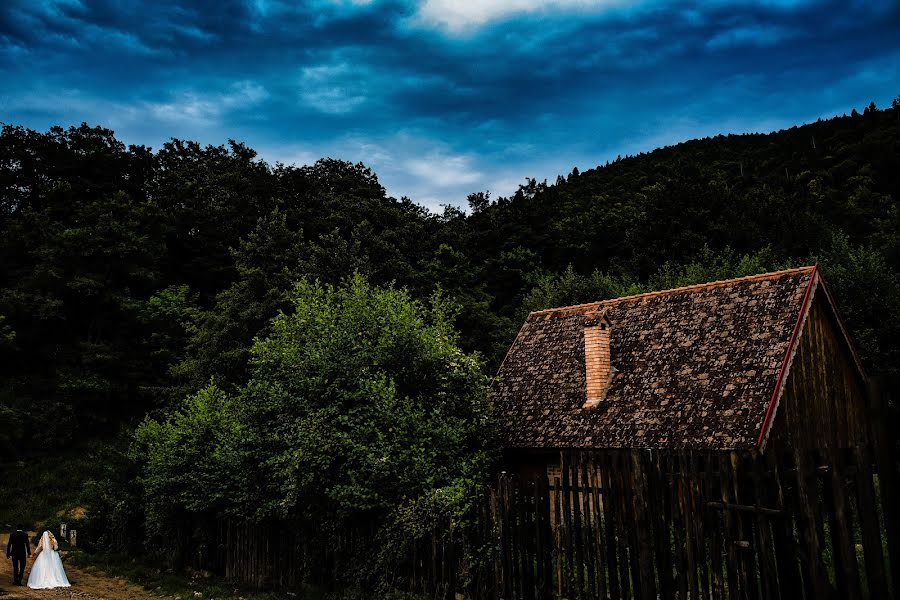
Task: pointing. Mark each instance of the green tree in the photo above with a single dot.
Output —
(359, 410)
(268, 261)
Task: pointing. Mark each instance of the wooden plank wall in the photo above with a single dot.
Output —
(644, 525)
(824, 404)
(641, 525)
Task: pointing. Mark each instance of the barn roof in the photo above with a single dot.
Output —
(697, 367)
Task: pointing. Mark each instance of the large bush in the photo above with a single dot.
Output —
(359, 410)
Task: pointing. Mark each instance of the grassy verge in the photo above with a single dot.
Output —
(198, 585)
(43, 487)
(166, 583)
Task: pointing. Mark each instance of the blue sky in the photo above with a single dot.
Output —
(444, 97)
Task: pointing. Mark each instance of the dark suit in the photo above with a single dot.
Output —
(18, 548)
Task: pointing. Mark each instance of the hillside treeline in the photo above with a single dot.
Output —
(131, 277)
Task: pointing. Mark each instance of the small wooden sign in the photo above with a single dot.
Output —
(73, 535)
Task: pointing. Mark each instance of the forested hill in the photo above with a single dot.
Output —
(129, 277)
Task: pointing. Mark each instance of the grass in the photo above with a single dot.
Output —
(42, 491)
(197, 584)
(39, 488)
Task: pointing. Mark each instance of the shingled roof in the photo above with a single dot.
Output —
(697, 367)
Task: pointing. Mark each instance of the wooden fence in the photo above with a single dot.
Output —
(642, 524)
(646, 525)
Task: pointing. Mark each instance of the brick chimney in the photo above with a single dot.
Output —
(597, 366)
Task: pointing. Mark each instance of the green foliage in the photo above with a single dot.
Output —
(190, 461)
(359, 406)
(572, 288)
(715, 266)
(163, 582)
(40, 491)
(364, 399)
(7, 335)
(132, 279)
(867, 290)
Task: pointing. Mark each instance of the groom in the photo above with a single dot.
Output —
(18, 548)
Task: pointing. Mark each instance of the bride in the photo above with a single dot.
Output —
(47, 570)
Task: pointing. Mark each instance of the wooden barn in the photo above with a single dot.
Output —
(758, 362)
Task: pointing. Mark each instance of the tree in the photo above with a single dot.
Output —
(360, 405)
(479, 201)
(268, 261)
(369, 398)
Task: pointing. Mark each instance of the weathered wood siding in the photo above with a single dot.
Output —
(824, 401)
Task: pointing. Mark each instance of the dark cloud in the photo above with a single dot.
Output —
(497, 97)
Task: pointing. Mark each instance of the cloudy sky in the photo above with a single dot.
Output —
(444, 97)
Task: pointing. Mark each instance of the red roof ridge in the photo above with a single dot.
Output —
(687, 288)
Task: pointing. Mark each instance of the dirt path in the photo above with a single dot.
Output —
(86, 583)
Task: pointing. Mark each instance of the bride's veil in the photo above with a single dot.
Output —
(47, 571)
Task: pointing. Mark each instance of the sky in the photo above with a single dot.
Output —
(443, 98)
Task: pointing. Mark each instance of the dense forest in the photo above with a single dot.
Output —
(180, 283)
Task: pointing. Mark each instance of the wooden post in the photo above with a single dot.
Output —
(640, 503)
(807, 519)
(577, 539)
(687, 512)
(568, 573)
(749, 587)
(698, 510)
(786, 551)
(589, 515)
(676, 509)
(610, 521)
(557, 535)
(599, 528)
(733, 566)
(662, 530)
(888, 479)
(525, 542)
(627, 565)
(768, 564)
(713, 529)
(869, 527)
(846, 570)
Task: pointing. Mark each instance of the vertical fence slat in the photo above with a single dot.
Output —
(888, 478)
(577, 540)
(525, 552)
(714, 530)
(768, 565)
(611, 522)
(557, 536)
(568, 568)
(662, 531)
(640, 500)
(729, 530)
(599, 529)
(842, 529)
(807, 519)
(698, 511)
(676, 518)
(617, 524)
(749, 587)
(627, 559)
(589, 514)
(687, 511)
(870, 529)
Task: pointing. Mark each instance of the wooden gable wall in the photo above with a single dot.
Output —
(824, 402)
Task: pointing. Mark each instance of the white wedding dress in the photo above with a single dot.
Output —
(47, 570)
